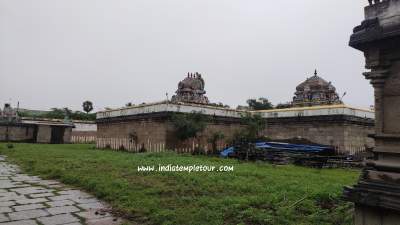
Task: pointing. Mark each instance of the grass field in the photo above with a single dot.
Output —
(254, 193)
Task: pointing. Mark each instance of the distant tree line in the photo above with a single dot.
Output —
(262, 104)
(60, 113)
(64, 113)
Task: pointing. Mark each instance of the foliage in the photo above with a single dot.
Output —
(254, 193)
(255, 124)
(188, 125)
(283, 106)
(77, 115)
(87, 106)
(215, 137)
(133, 137)
(220, 104)
(259, 104)
(241, 107)
(57, 113)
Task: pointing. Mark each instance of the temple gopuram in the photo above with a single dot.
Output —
(315, 91)
(191, 90)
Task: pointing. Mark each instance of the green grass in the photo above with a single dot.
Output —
(254, 193)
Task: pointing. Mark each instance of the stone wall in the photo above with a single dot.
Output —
(326, 134)
(36, 133)
(17, 133)
(348, 134)
(228, 129)
(356, 138)
(84, 132)
(44, 134)
(143, 131)
(67, 135)
(156, 130)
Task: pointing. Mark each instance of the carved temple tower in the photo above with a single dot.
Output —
(315, 91)
(191, 90)
(377, 194)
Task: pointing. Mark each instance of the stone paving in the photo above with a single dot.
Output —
(30, 200)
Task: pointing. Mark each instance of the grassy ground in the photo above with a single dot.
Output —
(254, 193)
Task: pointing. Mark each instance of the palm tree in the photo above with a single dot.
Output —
(87, 106)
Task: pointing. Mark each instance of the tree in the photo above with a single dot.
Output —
(56, 113)
(259, 104)
(255, 124)
(67, 113)
(241, 107)
(188, 125)
(215, 137)
(60, 113)
(87, 106)
(283, 106)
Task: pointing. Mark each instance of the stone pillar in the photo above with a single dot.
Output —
(377, 193)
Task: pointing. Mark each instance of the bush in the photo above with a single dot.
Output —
(188, 125)
(255, 124)
(215, 137)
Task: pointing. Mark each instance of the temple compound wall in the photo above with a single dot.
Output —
(84, 132)
(346, 128)
(149, 126)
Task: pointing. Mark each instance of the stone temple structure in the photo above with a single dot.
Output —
(9, 114)
(191, 90)
(377, 194)
(315, 91)
(16, 129)
(149, 126)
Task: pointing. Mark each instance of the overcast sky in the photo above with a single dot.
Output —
(58, 53)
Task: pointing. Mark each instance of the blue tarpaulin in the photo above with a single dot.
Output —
(278, 146)
(225, 153)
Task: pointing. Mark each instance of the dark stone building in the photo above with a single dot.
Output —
(377, 194)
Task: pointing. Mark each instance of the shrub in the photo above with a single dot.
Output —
(188, 125)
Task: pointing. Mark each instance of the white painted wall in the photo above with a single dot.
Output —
(207, 110)
(82, 126)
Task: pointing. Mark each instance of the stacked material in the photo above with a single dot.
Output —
(283, 153)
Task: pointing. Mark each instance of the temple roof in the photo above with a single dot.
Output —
(315, 82)
(191, 90)
(315, 91)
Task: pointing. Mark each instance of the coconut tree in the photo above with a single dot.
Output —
(87, 106)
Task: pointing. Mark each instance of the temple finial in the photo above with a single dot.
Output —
(315, 72)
